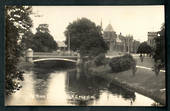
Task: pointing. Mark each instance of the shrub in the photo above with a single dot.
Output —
(100, 60)
(122, 63)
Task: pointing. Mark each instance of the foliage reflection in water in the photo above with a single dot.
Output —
(86, 90)
(70, 87)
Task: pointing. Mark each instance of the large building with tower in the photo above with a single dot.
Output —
(118, 42)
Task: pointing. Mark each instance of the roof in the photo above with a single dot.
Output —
(109, 28)
(61, 44)
(152, 33)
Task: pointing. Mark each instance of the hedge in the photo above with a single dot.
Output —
(122, 63)
(100, 59)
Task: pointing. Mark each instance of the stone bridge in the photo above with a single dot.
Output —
(46, 56)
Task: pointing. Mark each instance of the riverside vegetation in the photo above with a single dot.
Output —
(122, 71)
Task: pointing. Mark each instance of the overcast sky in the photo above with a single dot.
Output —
(134, 20)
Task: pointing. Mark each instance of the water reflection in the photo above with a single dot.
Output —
(41, 84)
(82, 90)
(44, 86)
(85, 90)
(119, 91)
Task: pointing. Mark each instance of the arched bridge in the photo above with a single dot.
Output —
(52, 59)
(46, 56)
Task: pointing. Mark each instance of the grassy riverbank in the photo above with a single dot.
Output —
(144, 82)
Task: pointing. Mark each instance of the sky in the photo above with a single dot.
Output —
(133, 20)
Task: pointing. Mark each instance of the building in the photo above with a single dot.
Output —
(135, 46)
(109, 36)
(61, 45)
(151, 37)
(118, 42)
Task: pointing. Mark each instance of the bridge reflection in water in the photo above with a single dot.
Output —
(51, 86)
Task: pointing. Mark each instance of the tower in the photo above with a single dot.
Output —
(110, 37)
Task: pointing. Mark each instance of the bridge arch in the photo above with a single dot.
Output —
(54, 59)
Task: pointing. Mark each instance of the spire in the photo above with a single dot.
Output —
(101, 24)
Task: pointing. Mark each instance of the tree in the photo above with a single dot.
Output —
(43, 41)
(18, 23)
(86, 37)
(42, 28)
(144, 48)
(27, 40)
(159, 53)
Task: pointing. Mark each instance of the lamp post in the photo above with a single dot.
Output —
(128, 44)
(68, 43)
(124, 45)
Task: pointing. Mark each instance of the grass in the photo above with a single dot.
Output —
(144, 82)
(147, 62)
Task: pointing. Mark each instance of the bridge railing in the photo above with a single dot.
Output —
(55, 54)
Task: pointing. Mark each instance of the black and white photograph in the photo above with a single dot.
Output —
(85, 55)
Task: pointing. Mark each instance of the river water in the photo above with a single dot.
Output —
(71, 88)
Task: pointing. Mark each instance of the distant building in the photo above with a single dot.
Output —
(109, 36)
(119, 42)
(61, 45)
(135, 46)
(151, 36)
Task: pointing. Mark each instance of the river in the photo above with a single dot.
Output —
(45, 87)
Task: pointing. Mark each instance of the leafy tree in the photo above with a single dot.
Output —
(42, 28)
(159, 53)
(144, 48)
(27, 40)
(18, 23)
(86, 37)
(43, 41)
